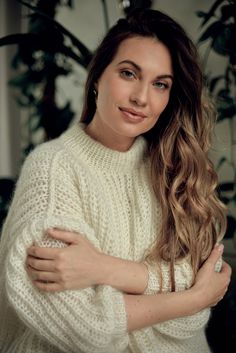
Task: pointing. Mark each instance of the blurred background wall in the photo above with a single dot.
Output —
(10, 22)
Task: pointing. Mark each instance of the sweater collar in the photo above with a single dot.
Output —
(97, 155)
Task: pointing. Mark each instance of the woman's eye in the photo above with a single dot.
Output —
(161, 85)
(127, 74)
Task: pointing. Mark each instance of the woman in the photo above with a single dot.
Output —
(128, 197)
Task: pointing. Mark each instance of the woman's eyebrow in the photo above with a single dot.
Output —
(131, 63)
(137, 67)
(160, 77)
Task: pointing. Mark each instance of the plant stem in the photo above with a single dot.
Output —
(105, 13)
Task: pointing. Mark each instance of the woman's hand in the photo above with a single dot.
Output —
(211, 286)
(81, 265)
(73, 267)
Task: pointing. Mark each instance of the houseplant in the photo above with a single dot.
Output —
(219, 31)
(44, 54)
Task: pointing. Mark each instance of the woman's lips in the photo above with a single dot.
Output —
(132, 115)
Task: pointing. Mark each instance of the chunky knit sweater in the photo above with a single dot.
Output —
(77, 184)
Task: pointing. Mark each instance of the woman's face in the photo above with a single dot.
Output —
(132, 92)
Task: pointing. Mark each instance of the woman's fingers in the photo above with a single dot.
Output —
(65, 236)
(215, 255)
(42, 276)
(43, 253)
(52, 253)
(71, 267)
(40, 265)
(48, 287)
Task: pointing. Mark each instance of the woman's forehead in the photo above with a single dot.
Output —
(145, 52)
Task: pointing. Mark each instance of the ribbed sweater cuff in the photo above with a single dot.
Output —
(153, 284)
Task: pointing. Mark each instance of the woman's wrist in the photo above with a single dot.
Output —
(147, 310)
(197, 302)
(124, 275)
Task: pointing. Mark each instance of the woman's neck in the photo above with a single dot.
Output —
(108, 138)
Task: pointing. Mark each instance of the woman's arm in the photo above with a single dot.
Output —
(93, 267)
(209, 288)
(88, 320)
(81, 265)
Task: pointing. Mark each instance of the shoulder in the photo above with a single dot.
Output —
(65, 148)
(49, 160)
(48, 153)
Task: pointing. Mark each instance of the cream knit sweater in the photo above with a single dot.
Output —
(77, 184)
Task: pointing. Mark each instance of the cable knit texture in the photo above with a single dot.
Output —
(77, 184)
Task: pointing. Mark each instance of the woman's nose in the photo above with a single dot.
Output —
(139, 95)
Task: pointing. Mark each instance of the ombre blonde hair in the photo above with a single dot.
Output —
(185, 182)
(183, 177)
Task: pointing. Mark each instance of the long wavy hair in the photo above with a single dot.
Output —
(183, 177)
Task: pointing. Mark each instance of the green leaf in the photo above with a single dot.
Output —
(212, 31)
(226, 112)
(20, 80)
(225, 200)
(222, 42)
(214, 82)
(227, 11)
(225, 187)
(225, 105)
(22, 102)
(70, 3)
(29, 148)
(85, 52)
(211, 12)
(19, 38)
(6, 188)
(225, 95)
(221, 162)
(34, 123)
(55, 120)
(231, 227)
(68, 52)
(201, 14)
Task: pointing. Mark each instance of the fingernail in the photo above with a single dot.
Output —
(220, 248)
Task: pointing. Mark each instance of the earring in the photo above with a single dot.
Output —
(95, 93)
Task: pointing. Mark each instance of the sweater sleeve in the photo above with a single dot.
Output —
(183, 327)
(88, 320)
